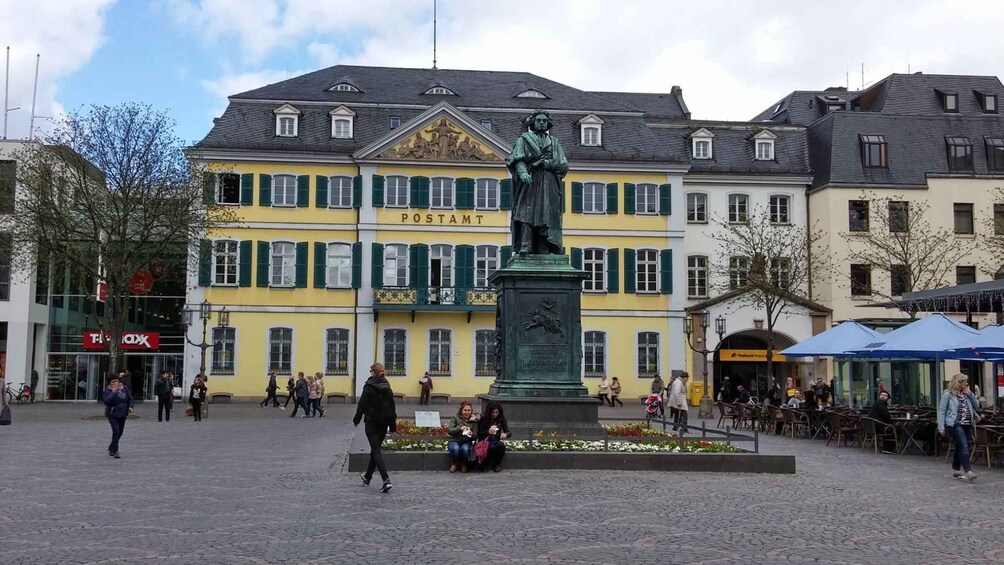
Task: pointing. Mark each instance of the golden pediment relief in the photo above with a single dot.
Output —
(441, 141)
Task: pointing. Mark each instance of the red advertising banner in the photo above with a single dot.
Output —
(131, 341)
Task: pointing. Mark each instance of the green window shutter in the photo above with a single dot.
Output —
(303, 191)
(612, 198)
(418, 265)
(320, 265)
(629, 204)
(264, 250)
(577, 197)
(244, 267)
(666, 271)
(208, 188)
(376, 270)
(301, 265)
(321, 191)
(357, 191)
(465, 266)
(505, 194)
(205, 262)
(264, 190)
(357, 264)
(665, 199)
(247, 189)
(613, 271)
(419, 192)
(465, 194)
(505, 254)
(378, 191)
(576, 258)
(630, 268)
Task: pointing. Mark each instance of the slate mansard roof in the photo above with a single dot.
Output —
(734, 148)
(802, 107)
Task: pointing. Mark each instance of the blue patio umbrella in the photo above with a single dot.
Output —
(987, 346)
(934, 337)
(834, 342)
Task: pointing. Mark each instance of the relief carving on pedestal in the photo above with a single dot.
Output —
(443, 144)
(545, 316)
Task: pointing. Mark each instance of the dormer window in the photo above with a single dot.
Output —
(701, 144)
(395, 122)
(287, 121)
(949, 102)
(763, 142)
(531, 93)
(988, 102)
(342, 121)
(344, 87)
(441, 90)
(591, 131)
(487, 124)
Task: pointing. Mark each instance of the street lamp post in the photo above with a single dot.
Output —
(205, 311)
(704, 411)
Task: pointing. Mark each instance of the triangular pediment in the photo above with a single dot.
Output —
(441, 133)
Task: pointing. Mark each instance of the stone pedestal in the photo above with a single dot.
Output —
(539, 347)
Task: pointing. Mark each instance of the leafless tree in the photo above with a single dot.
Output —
(108, 192)
(993, 230)
(895, 237)
(768, 266)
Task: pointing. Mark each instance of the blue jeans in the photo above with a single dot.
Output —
(960, 434)
(459, 452)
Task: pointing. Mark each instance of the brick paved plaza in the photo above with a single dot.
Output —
(249, 485)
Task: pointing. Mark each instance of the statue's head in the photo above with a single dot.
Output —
(539, 121)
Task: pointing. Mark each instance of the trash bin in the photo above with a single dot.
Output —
(696, 392)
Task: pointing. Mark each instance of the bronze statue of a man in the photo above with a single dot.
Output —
(537, 165)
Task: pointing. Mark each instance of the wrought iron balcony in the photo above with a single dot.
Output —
(434, 298)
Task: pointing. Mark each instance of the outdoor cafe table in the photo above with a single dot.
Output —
(910, 428)
(819, 425)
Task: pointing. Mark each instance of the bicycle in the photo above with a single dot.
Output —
(23, 393)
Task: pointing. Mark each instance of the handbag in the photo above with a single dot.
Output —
(5, 416)
(481, 449)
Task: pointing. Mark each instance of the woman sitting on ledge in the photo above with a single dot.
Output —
(462, 428)
(494, 427)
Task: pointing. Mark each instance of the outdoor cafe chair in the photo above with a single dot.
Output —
(841, 428)
(724, 411)
(774, 420)
(988, 443)
(876, 431)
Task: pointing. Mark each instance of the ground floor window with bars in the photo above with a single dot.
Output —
(484, 353)
(395, 344)
(594, 354)
(223, 351)
(439, 352)
(336, 352)
(280, 350)
(648, 354)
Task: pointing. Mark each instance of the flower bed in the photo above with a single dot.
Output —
(408, 428)
(637, 429)
(689, 446)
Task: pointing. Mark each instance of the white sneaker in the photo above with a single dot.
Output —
(282, 408)
(970, 476)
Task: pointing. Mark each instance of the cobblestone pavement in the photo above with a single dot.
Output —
(249, 485)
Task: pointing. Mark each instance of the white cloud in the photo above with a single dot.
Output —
(66, 33)
(229, 84)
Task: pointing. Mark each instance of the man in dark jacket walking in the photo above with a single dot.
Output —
(301, 391)
(270, 389)
(164, 389)
(376, 404)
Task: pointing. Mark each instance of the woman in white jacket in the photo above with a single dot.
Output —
(678, 401)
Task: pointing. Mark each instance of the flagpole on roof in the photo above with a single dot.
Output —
(434, 3)
(34, 92)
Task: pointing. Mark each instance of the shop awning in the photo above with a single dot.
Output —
(836, 341)
(933, 337)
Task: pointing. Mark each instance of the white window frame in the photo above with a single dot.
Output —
(395, 122)
(739, 271)
(734, 208)
(345, 116)
(488, 355)
(440, 90)
(589, 348)
(438, 370)
(697, 276)
(591, 131)
(287, 111)
(650, 201)
(704, 215)
(444, 191)
(275, 193)
(531, 93)
(338, 265)
(327, 350)
(698, 137)
(763, 145)
(486, 190)
(486, 262)
(339, 191)
(652, 263)
(398, 190)
(343, 87)
(774, 209)
(638, 353)
(287, 270)
(226, 264)
(268, 351)
(220, 350)
(598, 190)
(393, 264)
(388, 363)
(594, 262)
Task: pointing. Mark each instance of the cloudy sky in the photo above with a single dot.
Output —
(732, 58)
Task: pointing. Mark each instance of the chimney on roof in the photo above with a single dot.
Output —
(836, 89)
(677, 93)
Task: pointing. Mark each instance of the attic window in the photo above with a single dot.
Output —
(591, 131)
(701, 144)
(950, 102)
(487, 124)
(344, 87)
(287, 121)
(342, 123)
(835, 107)
(988, 102)
(395, 122)
(763, 142)
(531, 93)
(779, 106)
(442, 90)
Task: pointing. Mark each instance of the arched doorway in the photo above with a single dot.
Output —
(742, 357)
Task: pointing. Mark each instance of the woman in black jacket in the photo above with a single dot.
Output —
(495, 428)
(196, 396)
(376, 404)
(118, 405)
